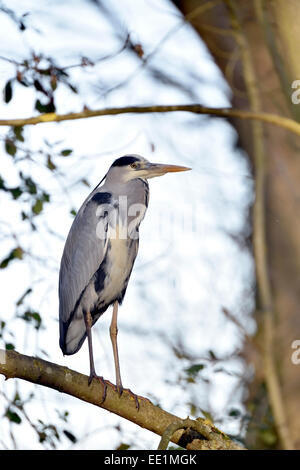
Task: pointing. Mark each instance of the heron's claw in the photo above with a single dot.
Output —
(136, 399)
(119, 389)
(103, 383)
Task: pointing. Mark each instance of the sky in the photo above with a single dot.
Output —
(191, 263)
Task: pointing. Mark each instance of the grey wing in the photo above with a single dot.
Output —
(84, 251)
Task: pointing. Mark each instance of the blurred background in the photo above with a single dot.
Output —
(211, 310)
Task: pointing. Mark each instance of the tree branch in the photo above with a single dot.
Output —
(280, 121)
(149, 416)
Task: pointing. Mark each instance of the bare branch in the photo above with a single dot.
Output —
(149, 416)
(280, 121)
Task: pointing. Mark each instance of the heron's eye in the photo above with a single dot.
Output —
(134, 165)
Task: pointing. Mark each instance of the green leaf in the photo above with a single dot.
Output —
(10, 147)
(15, 253)
(31, 316)
(46, 72)
(66, 152)
(18, 131)
(73, 212)
(45, 197)
(7, 92)
(16, 192)
(13, 416)
(9, 346)
(45, 108)
(123, 447)
(30, 184)
(50, 164)
(37, 207)
(63, 415)
(53, 82)
(194, 369)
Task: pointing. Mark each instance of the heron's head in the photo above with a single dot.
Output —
(131, 167)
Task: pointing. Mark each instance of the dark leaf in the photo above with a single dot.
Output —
(45, 71)
(62, 73)
(18, 131)
(85, 182)
(66, 152)
(13, 417)
(10, 147)
(31, 316)
(42, 436)
(7, 92)
(45, 108)
(39, 87)
(16, 192)
(45, 197)
(21, 299)
(2, 184)
(194, 369)
(30, 184)
(234, 413)
(73, 88)
(15, 253)
(50, 163)
(123, 447)
(70, 436)
(212, 355)
(9, 346)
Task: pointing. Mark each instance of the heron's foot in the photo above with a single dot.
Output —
(103, 382)
(120, 390)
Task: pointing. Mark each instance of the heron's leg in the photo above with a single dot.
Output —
(88, 324)
(113, 336)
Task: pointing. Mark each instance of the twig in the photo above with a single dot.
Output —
(280, 121)
(213, 439)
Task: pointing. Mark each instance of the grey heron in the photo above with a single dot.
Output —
(100, 252)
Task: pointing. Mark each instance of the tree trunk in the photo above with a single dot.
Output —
(262, 37)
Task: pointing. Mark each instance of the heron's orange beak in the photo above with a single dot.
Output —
(159, 169)
(173, 168)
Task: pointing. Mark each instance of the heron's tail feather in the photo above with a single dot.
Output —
(72, 335)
